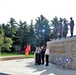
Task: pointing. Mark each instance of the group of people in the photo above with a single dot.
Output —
(42, 55)
(62, 29)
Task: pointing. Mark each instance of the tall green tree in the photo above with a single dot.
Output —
(55, 22)
(5, 42)
(13, 27)
(31, 36)
(22, 34)
(42, 30)
(3, 26)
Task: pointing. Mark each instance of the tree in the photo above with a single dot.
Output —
(1, 42)
(5, 45)
(13, 28)
(3, 25)
(55, 22)
(22, 34)
(42, 30)
(31, 36)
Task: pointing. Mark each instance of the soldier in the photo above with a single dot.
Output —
(55, 31)
(65, 29)
(71, 26)
(60, 29)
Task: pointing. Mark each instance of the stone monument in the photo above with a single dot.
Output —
(63, 52)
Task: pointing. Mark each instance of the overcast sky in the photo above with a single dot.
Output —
(31, 9)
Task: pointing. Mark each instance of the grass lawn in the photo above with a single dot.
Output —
(9, 54)
(13, 54)
(29, 56)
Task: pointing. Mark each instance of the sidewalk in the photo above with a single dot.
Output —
(27, 67)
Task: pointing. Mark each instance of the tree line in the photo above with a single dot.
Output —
(14, 36)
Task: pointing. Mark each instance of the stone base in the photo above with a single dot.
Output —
(63, 52)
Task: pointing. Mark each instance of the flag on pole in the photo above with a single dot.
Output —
(27, 50)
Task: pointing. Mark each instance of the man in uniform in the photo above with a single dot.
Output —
(65, 29)
(71, 26)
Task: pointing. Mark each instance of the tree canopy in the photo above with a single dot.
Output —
(20, 33)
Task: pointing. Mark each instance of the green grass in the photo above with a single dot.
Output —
(30, 56)
(13, 54)
(9, 54)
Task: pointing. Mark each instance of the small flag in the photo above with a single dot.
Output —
(27, 49)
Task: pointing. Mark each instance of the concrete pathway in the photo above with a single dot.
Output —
(27, 67)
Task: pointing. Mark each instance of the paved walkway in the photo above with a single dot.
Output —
(27, 67)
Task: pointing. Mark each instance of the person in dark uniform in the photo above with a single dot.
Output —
(42, 54)
(55, 31)
(65, 29)
(71, 26)
(60, 29)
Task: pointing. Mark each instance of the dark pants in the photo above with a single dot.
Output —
(39, 59)
(47, 60)
(71, 30)
(64, 34)
(42, 59)
(36, 57)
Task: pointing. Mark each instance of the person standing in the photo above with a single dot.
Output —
(38, 56)
(60, 29)
(42, 54)
(71, 26)
(65, 29)
(47, 56)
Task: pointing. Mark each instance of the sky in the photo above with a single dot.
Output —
(26, 10)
